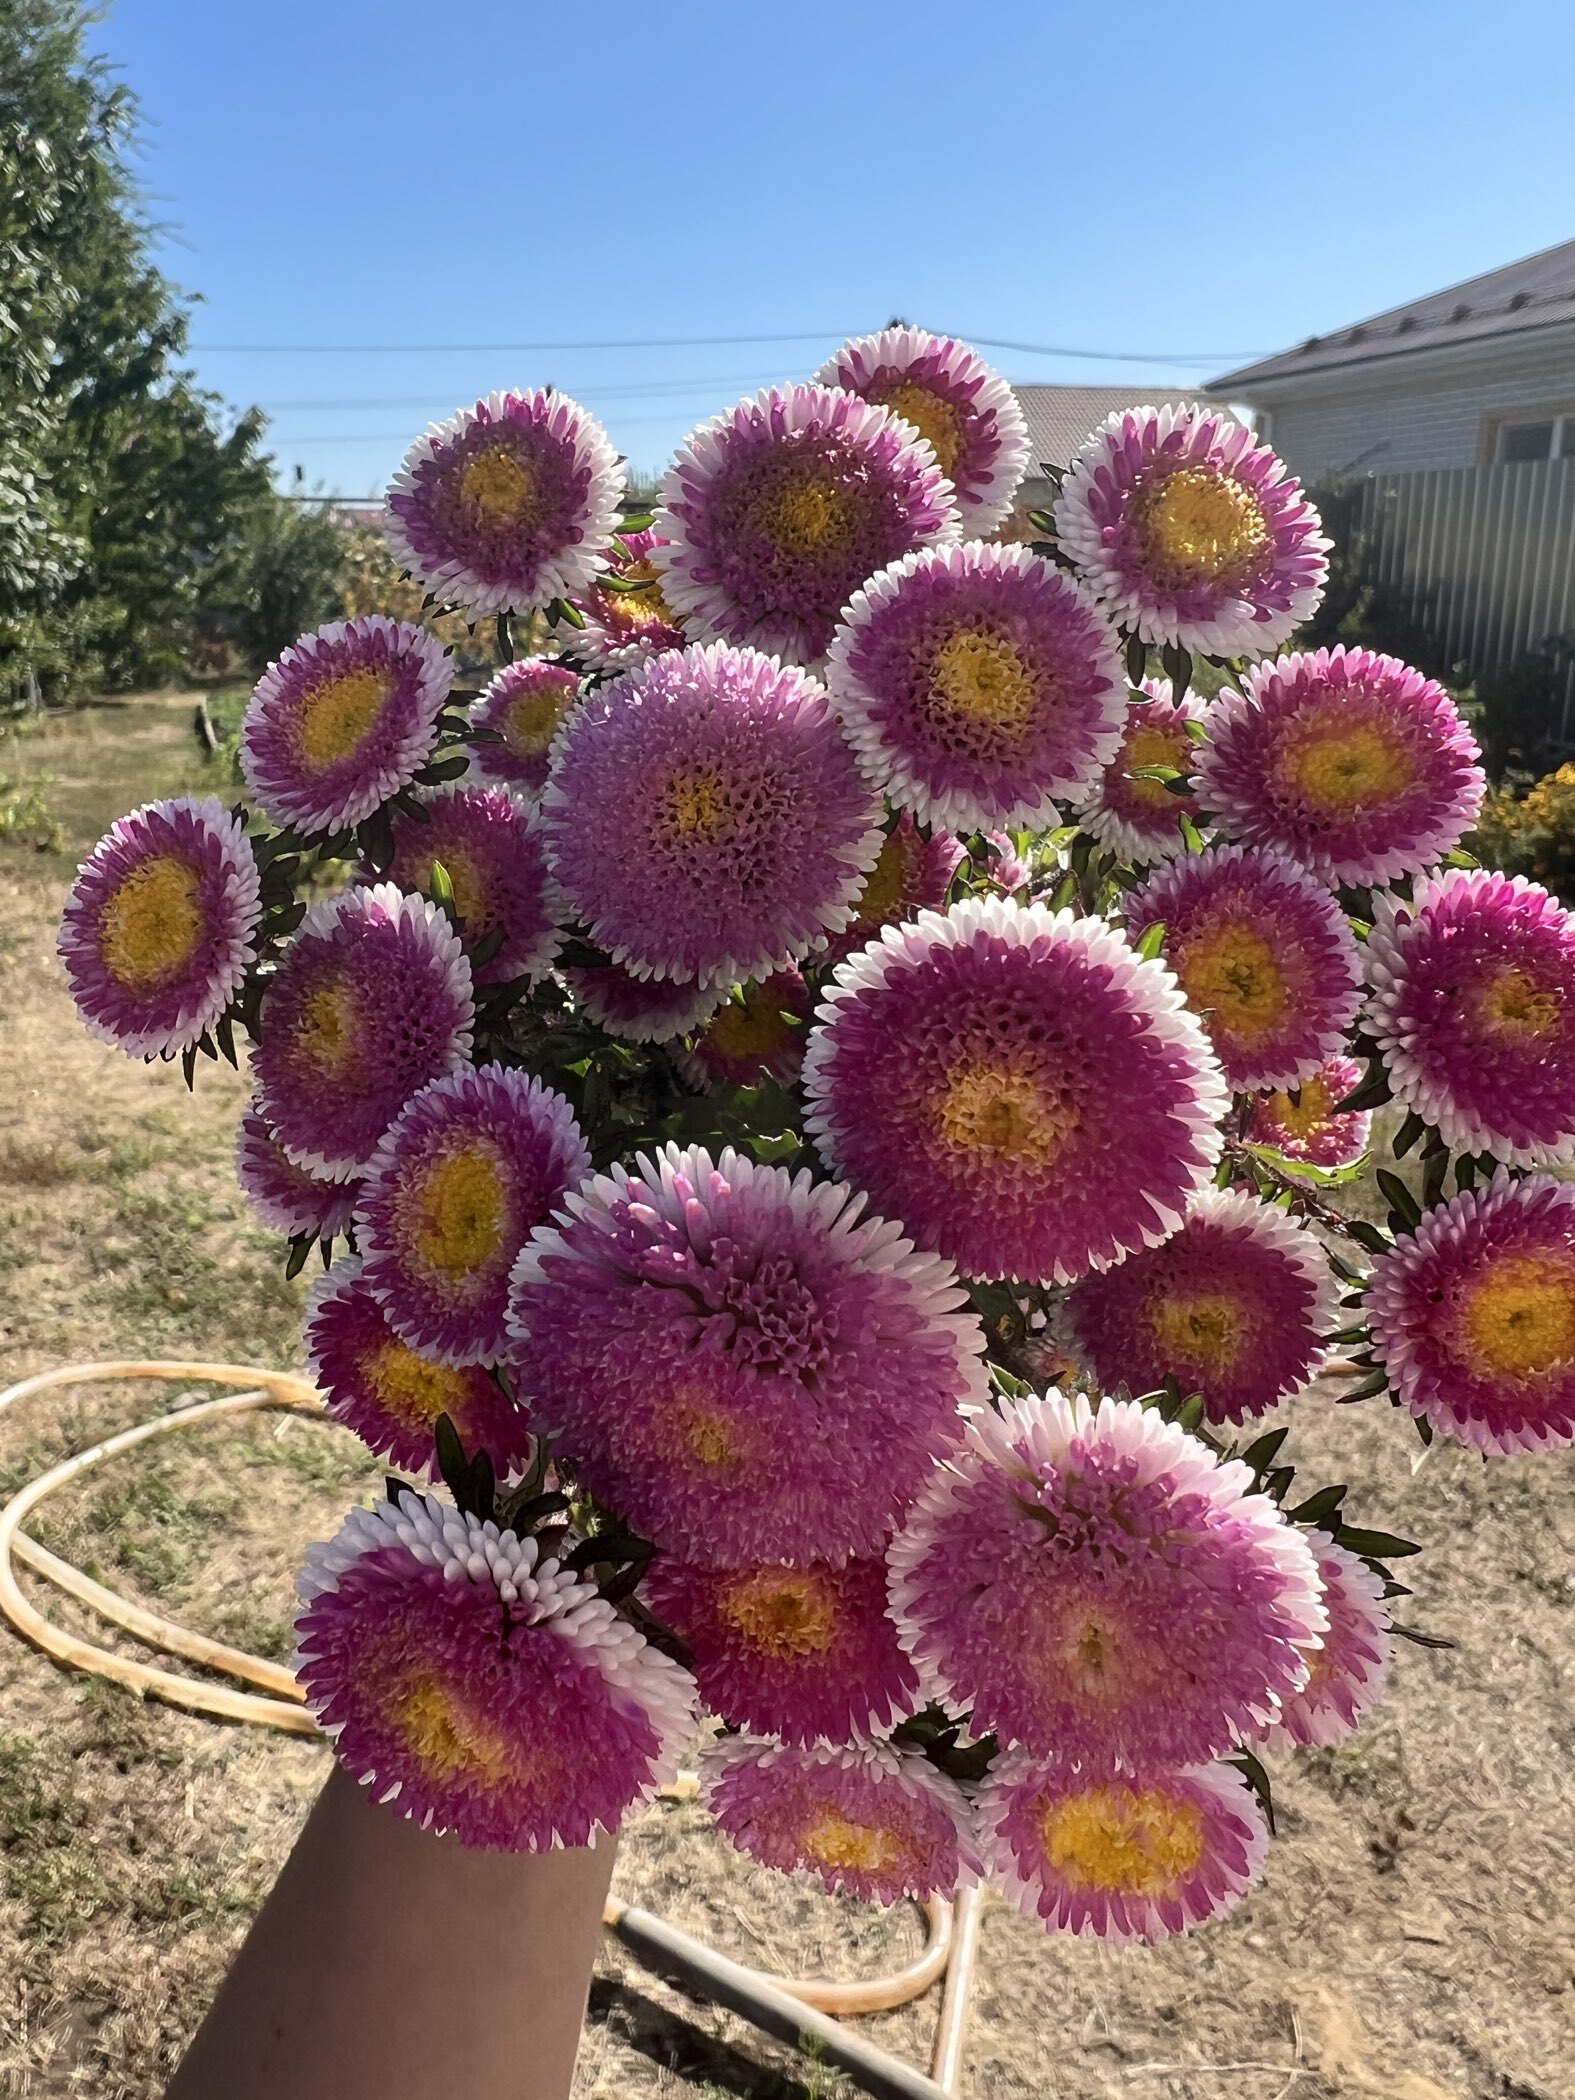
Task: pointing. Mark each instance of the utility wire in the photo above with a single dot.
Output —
(689, 342)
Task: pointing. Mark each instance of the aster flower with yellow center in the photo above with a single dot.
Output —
(740, 1360)
(475, 1686)
(1348, 1673)
(462, 1178)
(964, 410)
(1236, 1306)
(1018, 1086)
(391, 1395)
(912, 873)
(1139, 819)
(744, 831)
(1264, 954)
(977, 684)
(1352, 763)
(868, 1820)
(371, 1000)
(508, 505)
(758, 1034)
(1121, 1858)
(774, 513)
(1191, 533)
(1472, 1006)
(1473, 1318)
(158, 930)
(284, 1196)
(344, 719)
(628, 619)
(490, 846)
(798, 1653)
(1096, 1585)
(524, 705)
(1311, 1129)
(641, 1009)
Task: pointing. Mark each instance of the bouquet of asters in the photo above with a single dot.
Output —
(823, 1097)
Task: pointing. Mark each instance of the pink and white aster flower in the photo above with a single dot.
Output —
(627, 623)
(775, 512)
(159, 927)
(1121, 1858)
(1472, 1006)
(1236, 1306)
(1349, 1671)
(1473, 1318)
(492, 849)
(641, 1009)
(1352, 763)
(371, 1000)
(1140, 820)
(1190, 532)
(977, 684)
(868, 1820)
(474, 1686)
(344, 719)
(740, 1360)
(1313, 1130)
(758, 1035)
(462, 1178)
(389, 1394)
(525, 704)
(1097, 1586)
(1027, 1094)
(744, 831)
(803, 1654)
(508, 505)
(964, 410)
(912, 873)
(1265, 956)
(284, 1196)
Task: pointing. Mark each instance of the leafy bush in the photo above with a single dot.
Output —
(1532, 833)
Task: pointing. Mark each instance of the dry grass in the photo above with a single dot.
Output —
(1415, 1938)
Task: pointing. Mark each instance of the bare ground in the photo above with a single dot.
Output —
(1415, 1936)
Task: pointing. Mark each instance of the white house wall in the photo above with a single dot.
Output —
(1418, 411)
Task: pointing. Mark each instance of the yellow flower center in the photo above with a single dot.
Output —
(784, 1613)
(531, 722)
(859, 1848)
(1196, 526)
(979, 677)
(459, 1210)
(337, 714)
(1514, 1004)
(695, 808)
(996, 1109)
(885, 891)
(634, 608)
(150, 927)
(498, 483)
(326, 1030)
(1200, 1329)
(1297, 1118)
(1336, 768)
(695, 1427)
(809, 515)
(1520, 1319)
(750, 1028)
(1232, 973)
(932, 416)
(446, 1739)
(410, 1387)
(1128, 1840)
(1152, 745)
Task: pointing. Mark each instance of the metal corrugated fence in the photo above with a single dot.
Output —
(1482, 557)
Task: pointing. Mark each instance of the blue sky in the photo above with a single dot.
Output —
(1133, 176)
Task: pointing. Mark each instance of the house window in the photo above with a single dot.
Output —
(1541, 437)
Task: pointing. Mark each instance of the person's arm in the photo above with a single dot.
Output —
(388, 1964)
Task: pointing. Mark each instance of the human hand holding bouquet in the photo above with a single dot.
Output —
(852, 980)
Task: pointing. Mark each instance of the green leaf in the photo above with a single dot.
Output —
(1373, 1092)
(452, 1462)
(300, 1248)
(1374, 1545)
(1402, 1204)
(1258, 1779)
(1369, 1389)
(441, 769)
(1155, 773)
(1153, 941)
(1261, 1453)
(1137, 659)
(637, 521)
(1191, 836)
(1435, 1165)
(439, 887)
(1368, 1235)
(561, 612)
(1422, 1640)
(1465, 1172)
(1410, 1133)
(1317, 1507)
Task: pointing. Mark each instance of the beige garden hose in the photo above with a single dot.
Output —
(275, 1701)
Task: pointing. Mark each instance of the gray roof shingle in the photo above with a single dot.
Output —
(1060, 417)
(1531, 293)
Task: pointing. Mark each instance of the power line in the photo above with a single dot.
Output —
(689, 342)
(617, 390)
